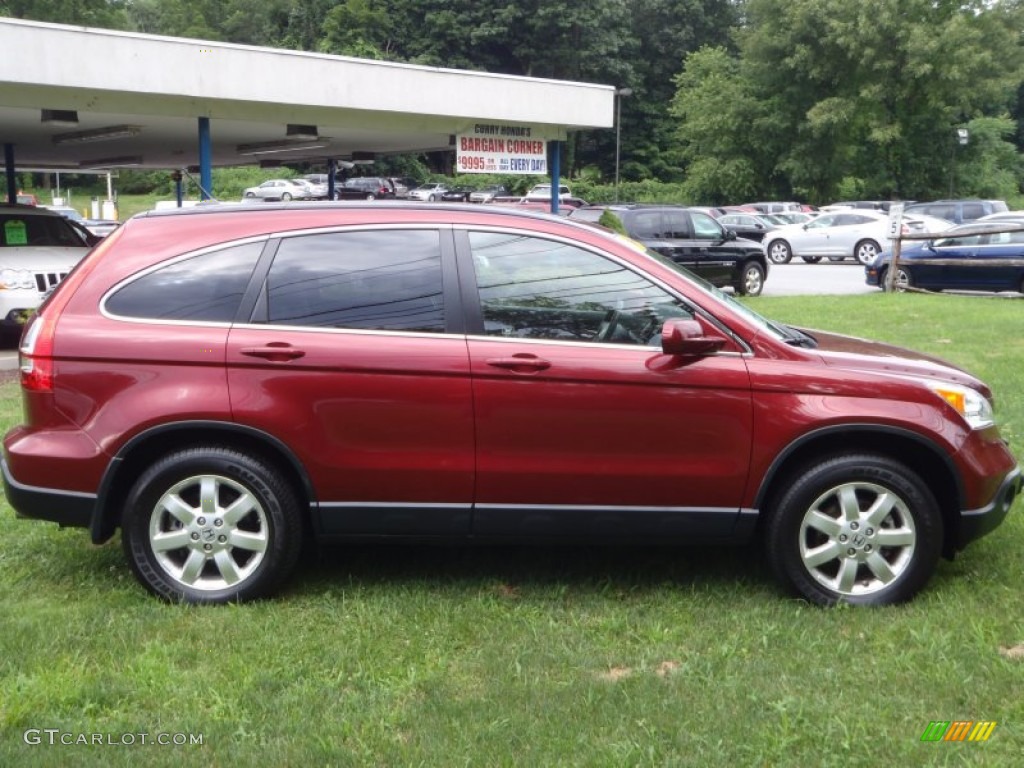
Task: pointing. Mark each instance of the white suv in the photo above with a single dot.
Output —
(543, 192)
(38, 248)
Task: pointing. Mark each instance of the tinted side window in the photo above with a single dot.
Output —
(542, 289)
(645, 224)
(705, 227)
(677, 224)
(374, 280)
(205, 288)
(942, 211)
(973, 211)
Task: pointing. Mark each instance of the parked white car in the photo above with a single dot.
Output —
(318, 184)
(543, 192)
(861, 234)
(38, 248)
(281, 189)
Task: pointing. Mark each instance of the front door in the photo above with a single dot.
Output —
(583, 426)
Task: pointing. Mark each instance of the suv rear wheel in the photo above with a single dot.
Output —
(857, 528)
(211, 525)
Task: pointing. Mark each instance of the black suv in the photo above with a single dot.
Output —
(364, 188)
(693, 239)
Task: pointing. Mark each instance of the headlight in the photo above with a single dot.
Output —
(969, 403)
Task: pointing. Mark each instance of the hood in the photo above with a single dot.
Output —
(41, 258)
(857, 354)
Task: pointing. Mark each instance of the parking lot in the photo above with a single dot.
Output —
(825, 278)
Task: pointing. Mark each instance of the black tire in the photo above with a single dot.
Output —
(811, 259)
(779, 252)
(250, 194)
(903, 280)
(285, 197)
(824, 542)
(865, 251)
(751, 281)
(186, 546)
(433, 198)
(370, 196)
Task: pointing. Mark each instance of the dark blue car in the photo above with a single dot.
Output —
(971, 257)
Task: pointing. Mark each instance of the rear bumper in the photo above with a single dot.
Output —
(68, 508)
(975, 523)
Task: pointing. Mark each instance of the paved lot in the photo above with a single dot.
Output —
(824, 279)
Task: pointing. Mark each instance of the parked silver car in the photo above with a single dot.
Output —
(861, 234)
(428, 192)
(318, 183)
(487, 194)
(281, 189)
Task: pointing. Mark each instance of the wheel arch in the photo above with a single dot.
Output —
(923, 456)
(146, 447)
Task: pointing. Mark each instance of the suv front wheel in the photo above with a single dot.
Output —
(779, 252)
(856, 528)
(211, 525)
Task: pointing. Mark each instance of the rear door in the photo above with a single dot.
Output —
(355, 360)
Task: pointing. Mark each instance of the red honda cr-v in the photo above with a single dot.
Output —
(222, 383)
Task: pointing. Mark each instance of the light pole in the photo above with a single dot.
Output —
(962, 137)
(620, 94)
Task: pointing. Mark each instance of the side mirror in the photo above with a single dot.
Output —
(686, 337)
(728, 234)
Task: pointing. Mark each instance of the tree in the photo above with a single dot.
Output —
(862, 95)
(717, 108)
(107, 14)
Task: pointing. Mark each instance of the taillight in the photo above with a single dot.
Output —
(35, 354)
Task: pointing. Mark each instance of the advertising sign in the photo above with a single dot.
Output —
(490, 148)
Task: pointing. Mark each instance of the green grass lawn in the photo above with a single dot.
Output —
(378, 656)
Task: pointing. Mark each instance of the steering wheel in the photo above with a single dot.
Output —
(608, 325)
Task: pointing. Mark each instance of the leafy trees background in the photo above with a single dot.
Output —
(732, 100)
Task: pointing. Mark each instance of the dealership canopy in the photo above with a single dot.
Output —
(84, 98)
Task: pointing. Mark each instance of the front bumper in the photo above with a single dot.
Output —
(975, 523)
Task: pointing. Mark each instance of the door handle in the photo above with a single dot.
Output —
(275, 351)
(522, 363)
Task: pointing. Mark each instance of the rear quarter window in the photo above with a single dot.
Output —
(204, 288)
